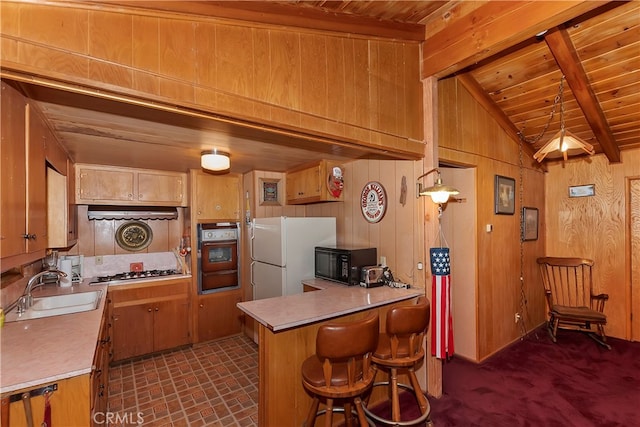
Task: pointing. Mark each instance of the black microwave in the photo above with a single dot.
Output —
(343, 264)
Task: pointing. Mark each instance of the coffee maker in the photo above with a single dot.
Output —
(50, 263)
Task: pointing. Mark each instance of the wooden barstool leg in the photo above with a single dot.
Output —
(313, 413)
(328, 420)
(395, 398)
(422, 400)
(347, 414)
(362, 418)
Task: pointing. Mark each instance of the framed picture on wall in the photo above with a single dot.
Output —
(505, 195)
(270, 192)
(529, 224)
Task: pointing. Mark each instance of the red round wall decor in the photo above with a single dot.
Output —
(373, 201)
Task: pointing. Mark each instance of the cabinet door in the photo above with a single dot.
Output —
(59, 220)
(217, 197)
(36, 184)
(171, 324)
(166, 189)
(132, 330)
(304, 185)
(104, 185)
(218, 315)
(13, 182)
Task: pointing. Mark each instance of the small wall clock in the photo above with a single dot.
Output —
(373, 202)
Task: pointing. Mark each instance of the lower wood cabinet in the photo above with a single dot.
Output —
(218, 315)
(70, 404)
(100, 374)
(149, 317)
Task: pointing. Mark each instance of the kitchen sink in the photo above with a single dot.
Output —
(57, 305)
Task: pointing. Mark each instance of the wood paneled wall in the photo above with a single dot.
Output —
(598, 228)
(343, 85)
(399, 236)
(470, 138)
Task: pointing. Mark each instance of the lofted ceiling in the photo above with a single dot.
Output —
(514, 73)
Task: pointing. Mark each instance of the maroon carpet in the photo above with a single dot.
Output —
(535, 382)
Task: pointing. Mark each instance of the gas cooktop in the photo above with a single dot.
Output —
(133, 275)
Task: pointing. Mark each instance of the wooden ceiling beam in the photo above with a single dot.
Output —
(481, 96)
(470, 36)
(567, 58)
(271, 13)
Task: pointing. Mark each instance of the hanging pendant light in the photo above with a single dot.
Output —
(563, 140)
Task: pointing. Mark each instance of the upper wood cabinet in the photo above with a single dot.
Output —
(215, 197)
(23, 223)
(311, 184)
(97, 184)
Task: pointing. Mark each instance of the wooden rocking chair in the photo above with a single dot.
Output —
(568, 288)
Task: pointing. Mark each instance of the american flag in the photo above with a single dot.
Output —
(441, 321)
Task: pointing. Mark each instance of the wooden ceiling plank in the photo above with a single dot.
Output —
(567, 58)
(487, 103)
(491, 28)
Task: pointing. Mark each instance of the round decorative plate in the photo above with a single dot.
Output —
(134, 236)
(373, 201)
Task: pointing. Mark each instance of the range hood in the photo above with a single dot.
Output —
(131, 212)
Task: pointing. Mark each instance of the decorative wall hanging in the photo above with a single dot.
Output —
(529, 224)
(373, 201)
(504, 195)
(134, 236)
(335, 182)
(582, 190)
(270, 192)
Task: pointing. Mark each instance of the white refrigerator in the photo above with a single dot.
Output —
(283, 252)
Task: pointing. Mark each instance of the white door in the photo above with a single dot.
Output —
(267, 280)
(266, 241)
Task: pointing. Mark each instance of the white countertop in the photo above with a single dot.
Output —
(41, 351)
(332, 300)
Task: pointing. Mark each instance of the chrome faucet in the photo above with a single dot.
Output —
(26, 300)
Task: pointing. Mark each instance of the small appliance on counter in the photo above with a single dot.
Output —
(77, 266)
(343, 264)
(373, 276)
(379, 275)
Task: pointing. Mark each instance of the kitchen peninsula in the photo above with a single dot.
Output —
(287, 331)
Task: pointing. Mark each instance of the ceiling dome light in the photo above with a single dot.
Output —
(215, 160)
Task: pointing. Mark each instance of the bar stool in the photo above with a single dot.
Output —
(341, 368)
(400, 348)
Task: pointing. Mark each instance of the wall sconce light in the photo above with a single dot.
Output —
(215, 160)
(439, 192)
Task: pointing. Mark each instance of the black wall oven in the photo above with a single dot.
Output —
(218, 254)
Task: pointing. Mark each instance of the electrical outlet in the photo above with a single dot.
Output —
(99, 260)
(517, 317)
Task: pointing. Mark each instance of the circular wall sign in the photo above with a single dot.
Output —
(373, 201)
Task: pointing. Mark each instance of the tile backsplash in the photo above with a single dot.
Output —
(104, 265)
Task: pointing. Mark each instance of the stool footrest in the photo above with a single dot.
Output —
(424, 418)
(341, 409)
